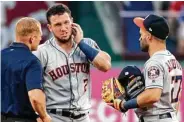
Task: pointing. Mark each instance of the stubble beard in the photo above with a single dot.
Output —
(144, 47)
(64, 41)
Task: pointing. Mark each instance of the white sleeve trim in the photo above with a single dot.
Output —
(154, 86)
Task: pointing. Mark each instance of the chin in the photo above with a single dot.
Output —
(34, 49)
(144, 49)
(64, 40)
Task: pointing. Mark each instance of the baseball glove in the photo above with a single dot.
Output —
(129, 85)
(112, 89)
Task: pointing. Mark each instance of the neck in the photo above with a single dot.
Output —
(67, 46)
(24, 41)
(156, 47)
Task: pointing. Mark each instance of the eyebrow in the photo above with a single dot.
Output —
(57, 23)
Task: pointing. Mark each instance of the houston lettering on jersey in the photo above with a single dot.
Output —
(173, 64)
(63, 70)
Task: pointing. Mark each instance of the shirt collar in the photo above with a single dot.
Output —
(74, 46)
(17, 44)
(160, 52)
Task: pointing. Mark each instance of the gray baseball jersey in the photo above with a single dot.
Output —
(66, 76)
(163, 71)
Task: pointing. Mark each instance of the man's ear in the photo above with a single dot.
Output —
(149, 36)
(72, 19)
(30, 40)
(49, 27)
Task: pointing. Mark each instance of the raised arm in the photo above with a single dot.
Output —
(100, 59)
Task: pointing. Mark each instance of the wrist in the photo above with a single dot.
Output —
(47, 117)
(78, 41)
(44, 115)
(89, 51)
(121, 106)
(130, 104)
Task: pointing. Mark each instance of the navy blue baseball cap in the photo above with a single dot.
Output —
(154, 24)
(128, 73)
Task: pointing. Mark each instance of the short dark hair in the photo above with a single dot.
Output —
(57, 9)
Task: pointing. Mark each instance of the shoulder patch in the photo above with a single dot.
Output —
(153, 72)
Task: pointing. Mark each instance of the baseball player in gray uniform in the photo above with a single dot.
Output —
(66, 59)
(162, 72)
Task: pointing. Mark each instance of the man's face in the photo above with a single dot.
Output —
(37, 36)
(60, 26)
(143, 40)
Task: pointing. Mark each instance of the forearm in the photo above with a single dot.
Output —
(148, 97)
(39, 107)
(38, 102)
(102, 61)
(132, 104)
(145, 99)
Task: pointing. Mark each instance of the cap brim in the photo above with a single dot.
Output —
(139, 22)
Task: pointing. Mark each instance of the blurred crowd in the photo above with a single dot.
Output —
(102, 21)
(173, 11)
(177, 24)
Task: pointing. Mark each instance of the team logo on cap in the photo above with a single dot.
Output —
(166, 37)
(126, 73)
(150, 29)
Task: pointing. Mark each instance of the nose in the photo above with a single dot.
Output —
(63, 28)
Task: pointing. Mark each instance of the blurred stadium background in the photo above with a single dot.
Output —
(110, 25)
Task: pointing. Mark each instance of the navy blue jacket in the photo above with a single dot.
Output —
(20, 72)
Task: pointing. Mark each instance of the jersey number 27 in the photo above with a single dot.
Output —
(176, 83)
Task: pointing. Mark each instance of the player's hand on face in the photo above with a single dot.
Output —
(77, 32)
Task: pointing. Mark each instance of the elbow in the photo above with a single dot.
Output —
(36, 100)
(154, 99)
(106, 67)
(36, 96)
(103, 62)
(107, 64)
